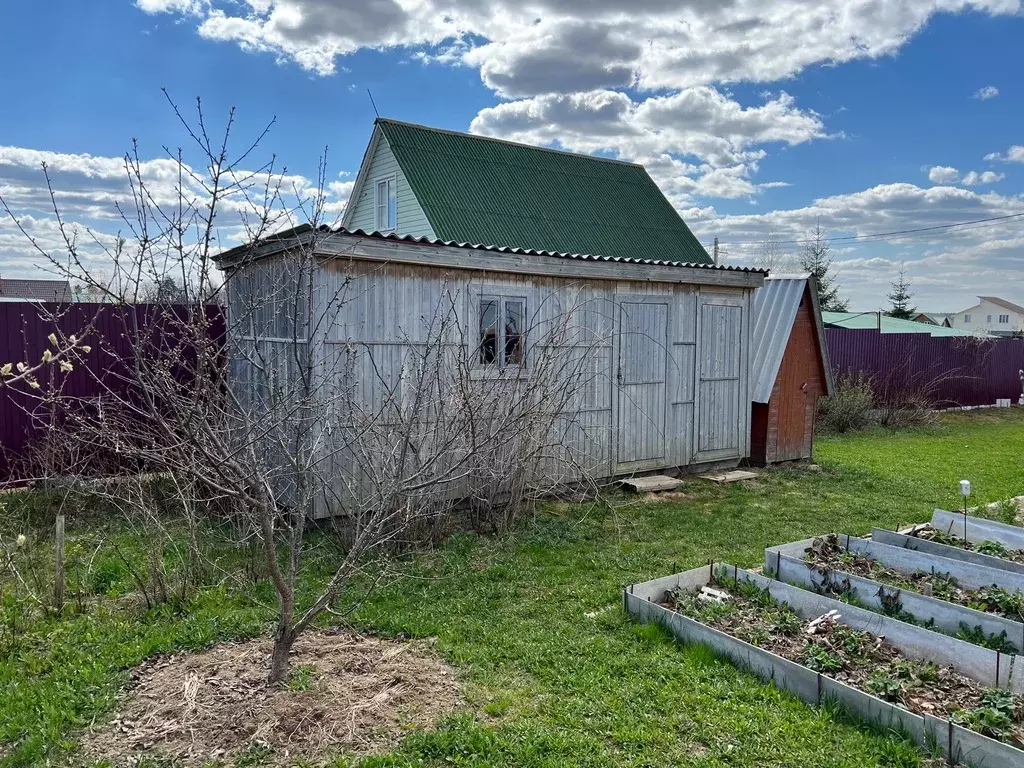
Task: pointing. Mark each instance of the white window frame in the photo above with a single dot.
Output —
(967, 318)
(1004, 319)
(988, 319)
(501, 296)
(378, 224)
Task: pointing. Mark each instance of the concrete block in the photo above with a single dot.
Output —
(651, 484)
(730, 477)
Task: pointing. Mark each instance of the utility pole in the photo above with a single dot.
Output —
(715, 256)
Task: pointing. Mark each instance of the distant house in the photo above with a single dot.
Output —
(935, 318)
(790, 369)
(882, 322)
(992, 315)
(35, 290)
(508, 237)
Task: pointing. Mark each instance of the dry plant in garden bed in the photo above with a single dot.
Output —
(346, 693)
(994, 548)
(856, 658)
(828, 554)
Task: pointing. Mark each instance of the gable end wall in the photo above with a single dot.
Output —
(411, 218)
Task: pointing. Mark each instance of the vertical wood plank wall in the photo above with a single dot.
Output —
(690, 345)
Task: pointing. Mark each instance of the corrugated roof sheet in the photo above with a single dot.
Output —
(475, 189)
(534, 252)
(35, 290)
(775, 307)
(876, 320)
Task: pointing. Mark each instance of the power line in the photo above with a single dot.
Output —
(879, 235)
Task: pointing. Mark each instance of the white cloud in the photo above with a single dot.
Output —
(663, 133)
(945, 264)
(658, 44)
(943, 174)
(1014, 154)
(986, 93)
(89, 189)
(987, 177)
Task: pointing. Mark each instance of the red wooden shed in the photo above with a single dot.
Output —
(789, 371)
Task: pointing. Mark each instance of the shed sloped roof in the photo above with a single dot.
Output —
(475, 189)
(775, 306)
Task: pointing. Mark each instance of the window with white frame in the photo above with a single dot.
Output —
(502, 327)
(967, 318)
(988, 319)
(1004, 319)
(387, 205)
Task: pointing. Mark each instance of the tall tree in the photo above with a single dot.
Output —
(817, 259)
(772, 256)
(900, 296)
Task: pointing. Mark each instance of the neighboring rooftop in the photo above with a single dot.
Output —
(35, 290)
(475, 189)
(880, 320)
(1004, 304)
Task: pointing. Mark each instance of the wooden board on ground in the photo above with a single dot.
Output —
(651, 484)
(730, 477)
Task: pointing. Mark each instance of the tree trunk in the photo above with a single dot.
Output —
(280, 660)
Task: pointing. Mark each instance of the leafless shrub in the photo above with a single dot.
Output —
(279, 418)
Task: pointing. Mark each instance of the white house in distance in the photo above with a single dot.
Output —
(991, 314)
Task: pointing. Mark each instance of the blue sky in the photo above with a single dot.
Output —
(758, 120)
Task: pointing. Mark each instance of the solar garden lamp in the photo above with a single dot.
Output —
(965, 491)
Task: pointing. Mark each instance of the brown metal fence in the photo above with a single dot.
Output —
(954, 370)
(24, 328)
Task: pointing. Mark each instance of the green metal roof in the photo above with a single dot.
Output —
(479, 190)
(870, 320)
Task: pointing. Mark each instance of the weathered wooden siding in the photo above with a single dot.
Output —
(661, 368)
(411, 220)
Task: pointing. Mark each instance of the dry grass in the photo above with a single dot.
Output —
(347, 693)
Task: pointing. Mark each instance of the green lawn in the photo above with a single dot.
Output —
(555, 674)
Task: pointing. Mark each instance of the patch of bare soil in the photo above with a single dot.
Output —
(346, 693)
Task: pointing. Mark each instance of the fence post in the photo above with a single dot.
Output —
(58, 565)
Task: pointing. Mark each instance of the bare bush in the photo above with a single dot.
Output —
(280, 417)
(850, 408)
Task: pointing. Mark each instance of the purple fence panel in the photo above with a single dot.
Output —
(24, 328)
(955, 370)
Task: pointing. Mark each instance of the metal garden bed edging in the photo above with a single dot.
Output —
(978, 529)
(909, 560)
(958, 744)
(951, 551)
(945, 615)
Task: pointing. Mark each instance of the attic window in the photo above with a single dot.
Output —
(502, 321)
(1004, 319)
(387, 205)
(967, 318)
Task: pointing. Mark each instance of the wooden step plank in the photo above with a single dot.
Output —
(651, 483)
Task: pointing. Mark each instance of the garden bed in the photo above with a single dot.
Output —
(828, 553)
(856, 658)
(990, 547)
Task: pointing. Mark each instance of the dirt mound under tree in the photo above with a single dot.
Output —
(346, 693)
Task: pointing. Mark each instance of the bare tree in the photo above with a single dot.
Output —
(772, 256)
(279, 418)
